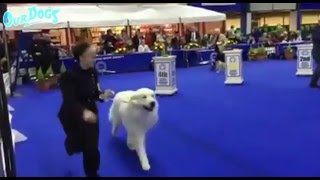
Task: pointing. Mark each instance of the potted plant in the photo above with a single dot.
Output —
(261, 54)
(289, 53)
(192, 45)
(43, 83)
(252, 53)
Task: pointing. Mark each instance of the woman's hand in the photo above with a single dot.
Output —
(107, 94)
(89, 116)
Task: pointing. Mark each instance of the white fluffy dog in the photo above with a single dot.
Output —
(138, 112)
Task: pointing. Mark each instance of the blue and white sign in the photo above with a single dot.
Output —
(34, 15)
(165, 74)
(101, 66)
(233, 66)
(304, 60)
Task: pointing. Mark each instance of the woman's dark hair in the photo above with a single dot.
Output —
(79, 49)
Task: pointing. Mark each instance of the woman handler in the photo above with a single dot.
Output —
(78, 112)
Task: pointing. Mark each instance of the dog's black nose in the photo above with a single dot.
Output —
(152, 104)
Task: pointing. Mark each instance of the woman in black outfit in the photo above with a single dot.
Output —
(78, 112)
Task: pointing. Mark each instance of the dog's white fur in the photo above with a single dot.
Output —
(130, 108)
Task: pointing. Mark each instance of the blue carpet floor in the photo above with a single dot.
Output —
(267, 127)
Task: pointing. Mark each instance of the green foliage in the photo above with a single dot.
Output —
(261, 50)
(49, 72)
(289, 48)
(62, 68)
(40, 75)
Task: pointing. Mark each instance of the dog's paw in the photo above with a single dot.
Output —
(131, 146)
(146, 166)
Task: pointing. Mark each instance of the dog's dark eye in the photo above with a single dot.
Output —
(144, 97)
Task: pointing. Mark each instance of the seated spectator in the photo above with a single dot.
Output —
(143, 47)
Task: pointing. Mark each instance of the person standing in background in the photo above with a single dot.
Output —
(150, 37)
(315, 36)
(109, 42)
(231, 33)
(193, 35)
(161, 36)
(136, 40)
(176, 41)
(219, 42)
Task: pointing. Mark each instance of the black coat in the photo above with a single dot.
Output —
(175, 43)
(107, 40)
(40, 51)
(135, 42)
(315, 35)
(80, 91)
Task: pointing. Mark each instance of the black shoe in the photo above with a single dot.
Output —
(71, 149)
(93, 175)
(314, 86)
(68, 147)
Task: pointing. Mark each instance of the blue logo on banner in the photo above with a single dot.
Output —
(34, 16)
(213, 56)
(101, 66)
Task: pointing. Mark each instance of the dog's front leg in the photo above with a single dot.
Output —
(131, 141)
(141, 151)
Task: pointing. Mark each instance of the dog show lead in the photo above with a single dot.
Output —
(79, 113)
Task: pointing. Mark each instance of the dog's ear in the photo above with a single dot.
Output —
(135, 97)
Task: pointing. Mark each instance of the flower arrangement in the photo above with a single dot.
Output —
(121, 50)
(159, 46)
(192, 45)
(231, 42)
(44, 80)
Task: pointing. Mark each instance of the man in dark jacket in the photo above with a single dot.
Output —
(136, 40)
(39, 53)
(316, 55)
(109, 42)
(192, 35)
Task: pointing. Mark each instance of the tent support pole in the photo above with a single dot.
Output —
(69, 36)
(5, 42)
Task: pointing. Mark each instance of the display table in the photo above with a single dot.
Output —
(233, 69)
(131, 62)
(304, 60)
(279, 48)
(165, 75)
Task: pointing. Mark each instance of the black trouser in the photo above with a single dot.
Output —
(315, 75)
(91, 154)
(85, 139)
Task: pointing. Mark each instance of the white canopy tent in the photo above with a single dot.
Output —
(165, 13)
(83, 16)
